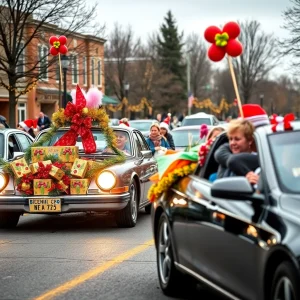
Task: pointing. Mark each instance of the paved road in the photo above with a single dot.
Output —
(79, 256)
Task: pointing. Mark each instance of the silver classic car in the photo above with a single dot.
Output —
(121, 188)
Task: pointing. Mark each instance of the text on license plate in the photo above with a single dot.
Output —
(44, 205)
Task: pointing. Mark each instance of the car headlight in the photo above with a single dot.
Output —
(3, 181)
(106, 180)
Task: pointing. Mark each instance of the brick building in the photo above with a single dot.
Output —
(86, 68)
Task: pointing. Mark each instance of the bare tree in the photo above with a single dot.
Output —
(291, 45)
(23, 24)
(200, 66)
(259, 57)
(119, 51)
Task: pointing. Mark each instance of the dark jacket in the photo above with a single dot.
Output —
(234, 164)
(170, 140)
(46, 122)
(163, 143)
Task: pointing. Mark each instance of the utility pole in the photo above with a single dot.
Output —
(188, 79)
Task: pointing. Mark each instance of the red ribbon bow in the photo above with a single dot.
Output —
(282, 123)
(80, 125)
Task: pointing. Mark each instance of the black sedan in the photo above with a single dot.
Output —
(241, 241)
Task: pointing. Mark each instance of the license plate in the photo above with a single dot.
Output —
(44, 205)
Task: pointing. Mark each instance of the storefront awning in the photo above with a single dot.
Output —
(108, 100)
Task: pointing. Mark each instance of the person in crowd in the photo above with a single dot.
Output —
(240, 135)
(165, 131)
(214, 132)
(43, 121)
(158, 117)
(155, 140)
(29, 126)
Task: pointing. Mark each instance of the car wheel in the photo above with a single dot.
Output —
(148, 209)
(285, 284)
(127, 216)
(172, 281)
(9, 220)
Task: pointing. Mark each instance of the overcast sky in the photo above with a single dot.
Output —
(146, 16)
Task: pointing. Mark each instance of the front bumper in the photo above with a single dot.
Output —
(69, 203)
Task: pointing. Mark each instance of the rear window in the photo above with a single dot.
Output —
(285, 149)
(196, 121)
(182, 138)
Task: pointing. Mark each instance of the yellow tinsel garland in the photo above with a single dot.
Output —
(157, 189)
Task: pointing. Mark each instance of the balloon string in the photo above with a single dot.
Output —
(60, 70)
(235, 85)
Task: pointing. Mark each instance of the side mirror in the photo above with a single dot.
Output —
(147, 153)
(16, 154)
(235, 188)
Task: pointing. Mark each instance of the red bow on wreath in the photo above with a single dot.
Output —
(282, 123)
(223, 41)
(58, 45)
(80, 125)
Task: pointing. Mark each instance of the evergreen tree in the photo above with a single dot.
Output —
(170, 48)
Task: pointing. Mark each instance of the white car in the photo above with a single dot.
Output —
(199, 119)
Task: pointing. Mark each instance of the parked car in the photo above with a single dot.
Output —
(13, 143)
(113, 122)
(182, 136)
(241, 241)
(125, 191)
(143, 125)
(199, 119)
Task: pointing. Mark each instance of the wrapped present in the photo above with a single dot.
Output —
(79, 168)
(38, 154)
(66, 154)
(56, 173)
(35, 166)
(69, 166)
(41, 186)
(78, 186)
(63, 186)
(20, 167)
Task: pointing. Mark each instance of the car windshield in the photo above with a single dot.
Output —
(122, 141)
(142, 126)
(285, 149)
(181, 137)
(1, 145)
(196, 121)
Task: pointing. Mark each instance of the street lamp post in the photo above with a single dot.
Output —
(261, 97)
(65, 65)
(188, 80)
(126, 88)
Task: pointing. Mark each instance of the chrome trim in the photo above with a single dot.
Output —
(203, 279)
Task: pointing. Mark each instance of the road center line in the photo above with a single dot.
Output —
(94, 272)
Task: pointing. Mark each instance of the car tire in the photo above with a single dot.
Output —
(148, 208)
(285, 282)
(171, 280)
(9, 220)
(127, 217)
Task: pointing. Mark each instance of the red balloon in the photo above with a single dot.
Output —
(216, 53)
(53, 39)
(210, 33)
(63, 49)
(53, 51)
(233, 29)
(234, 48)
(62, 39)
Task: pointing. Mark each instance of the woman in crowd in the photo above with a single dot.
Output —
(155, 140)
(240, 135)
(214, 132)
(164, 131)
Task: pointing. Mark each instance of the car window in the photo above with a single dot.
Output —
(142, 126)
(24, 141)
(1, 145)
(196, 121)
(182, 138)
(142, 141)
(285, 149)
(138, 144)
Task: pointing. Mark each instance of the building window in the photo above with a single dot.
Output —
(93, 71)
(21, 61)
(43, 60)
(99, 72)
(74, 61)
(84, 71)
(22, 112)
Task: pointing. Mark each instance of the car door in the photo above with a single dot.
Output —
(23, 140)
(149, 165)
